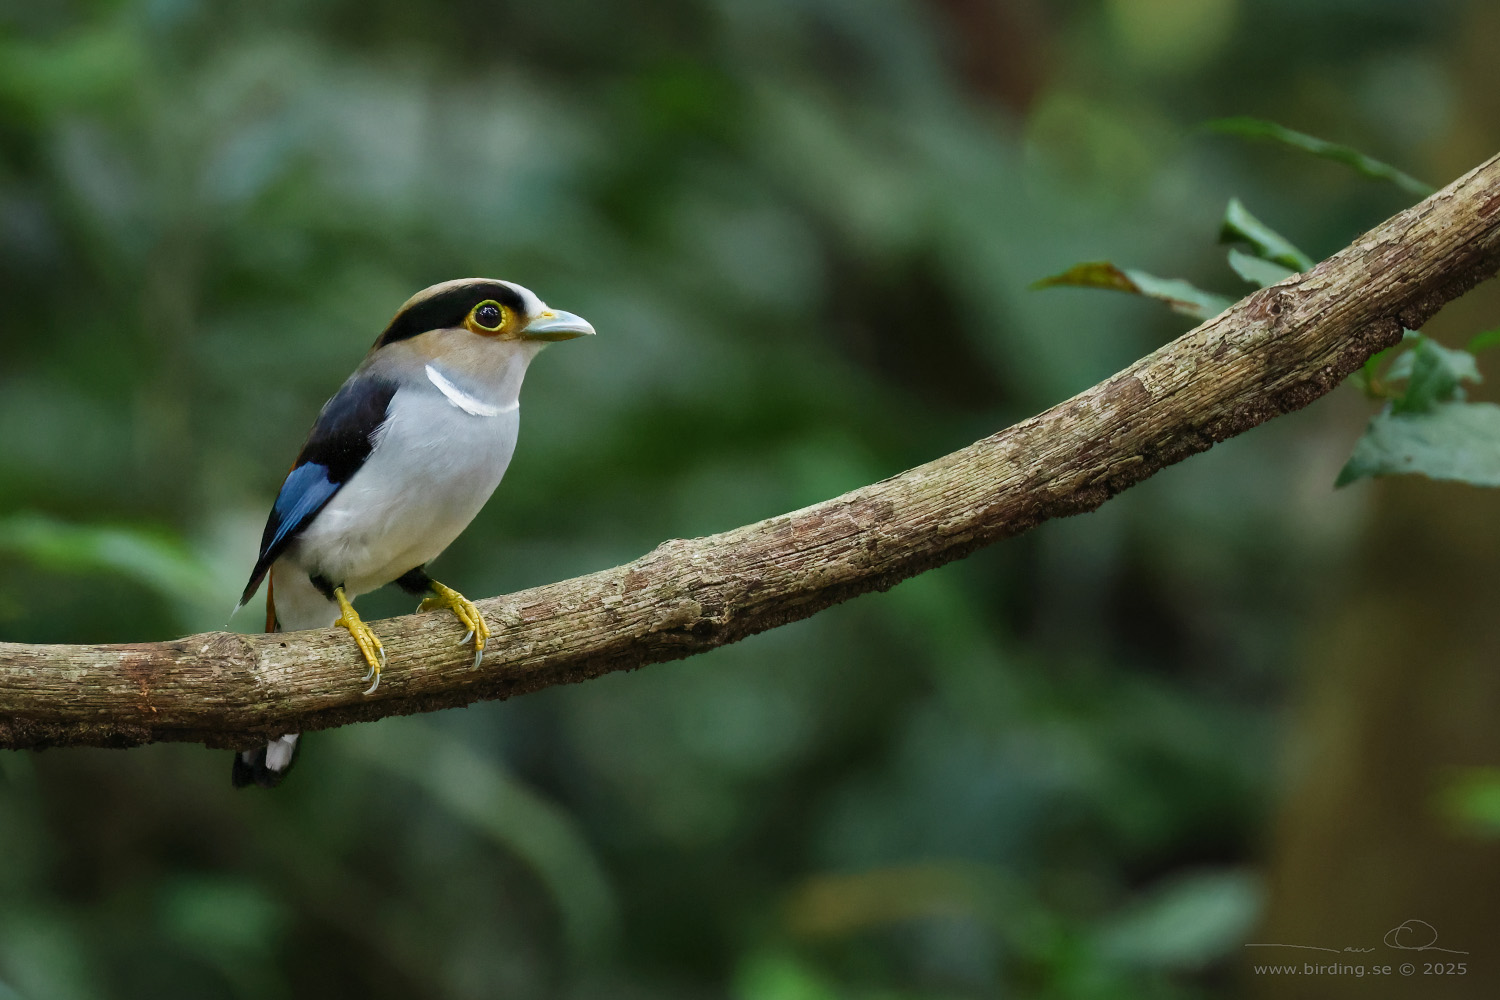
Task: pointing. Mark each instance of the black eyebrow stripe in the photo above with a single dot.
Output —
(449, 308)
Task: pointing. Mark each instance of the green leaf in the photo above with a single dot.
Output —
(1257, 271)
(1091, 274)
(1434, 373)
(1457, 441)
(1241, 227)
(1365, 166)
(1483, 341)
(1182, 296)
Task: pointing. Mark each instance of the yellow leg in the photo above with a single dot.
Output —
(369, 644)
(447, 597)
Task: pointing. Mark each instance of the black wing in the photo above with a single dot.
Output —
(340, 441)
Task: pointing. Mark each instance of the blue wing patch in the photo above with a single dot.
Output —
(341, 440)
(305, 492)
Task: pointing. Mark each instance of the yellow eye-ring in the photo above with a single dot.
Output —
(489, 316)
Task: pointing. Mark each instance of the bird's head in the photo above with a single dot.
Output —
(480, 330)
(480, 310)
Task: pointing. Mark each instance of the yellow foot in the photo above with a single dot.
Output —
(369, 644)
(447, 597)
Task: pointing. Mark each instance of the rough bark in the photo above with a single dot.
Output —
(1274, 351)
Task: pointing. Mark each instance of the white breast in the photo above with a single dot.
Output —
(434, 465)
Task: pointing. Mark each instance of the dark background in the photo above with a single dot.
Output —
(1233, 705)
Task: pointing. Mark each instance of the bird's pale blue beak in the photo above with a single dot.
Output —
(554, 324)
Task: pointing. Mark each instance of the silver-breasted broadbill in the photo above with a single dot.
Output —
(396, 466)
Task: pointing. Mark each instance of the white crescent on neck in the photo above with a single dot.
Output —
(464, 401)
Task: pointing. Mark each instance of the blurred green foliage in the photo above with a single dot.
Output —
(804, 230)
(155, 560)
(1469, 799)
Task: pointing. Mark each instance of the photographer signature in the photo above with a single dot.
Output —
(1408, 935)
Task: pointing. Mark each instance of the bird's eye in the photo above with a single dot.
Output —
(489, 315)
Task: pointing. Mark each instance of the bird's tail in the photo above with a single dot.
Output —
(266, 766)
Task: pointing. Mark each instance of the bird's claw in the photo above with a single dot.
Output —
(464, 609)
(370, 646)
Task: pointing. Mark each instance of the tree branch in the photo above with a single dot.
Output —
(1272, 352)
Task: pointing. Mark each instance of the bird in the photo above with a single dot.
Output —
(397, 464)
